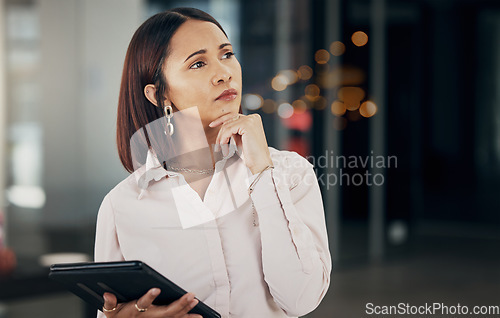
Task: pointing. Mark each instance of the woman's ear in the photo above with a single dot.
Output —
(150, 93)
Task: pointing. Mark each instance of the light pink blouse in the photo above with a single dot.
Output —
(263, 254)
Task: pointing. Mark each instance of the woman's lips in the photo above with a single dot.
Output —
(228, 94)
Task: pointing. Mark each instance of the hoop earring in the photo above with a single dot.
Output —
(169, 112)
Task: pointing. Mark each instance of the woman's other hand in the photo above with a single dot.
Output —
(248, 133)
(176, 309)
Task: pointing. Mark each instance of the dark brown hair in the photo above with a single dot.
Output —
(143, 65)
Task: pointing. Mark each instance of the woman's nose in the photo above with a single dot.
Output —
(222, 75)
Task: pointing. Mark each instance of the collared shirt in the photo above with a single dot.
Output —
(246, 255)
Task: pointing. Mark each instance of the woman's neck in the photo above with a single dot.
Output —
(195, 147)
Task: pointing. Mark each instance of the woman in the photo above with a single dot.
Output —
(208, 204)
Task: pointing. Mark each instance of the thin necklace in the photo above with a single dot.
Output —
(201, 171)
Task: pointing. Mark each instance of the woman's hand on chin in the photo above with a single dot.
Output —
(248, 132)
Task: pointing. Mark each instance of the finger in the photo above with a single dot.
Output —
(230, 129)
(146, 300)
(222, 132)
(224, 118)
(224, 138)
(182, 305)
(110, 302)
(189, 303)
(218, 136)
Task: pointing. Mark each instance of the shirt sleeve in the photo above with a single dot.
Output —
(295, 255)
(107, 247)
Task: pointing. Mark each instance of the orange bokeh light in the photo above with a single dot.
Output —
(351, 96)
(269, 106)
(305, 72)
(359, 38)
(337, 48)
(368, 109)
(322, 56)
(279, 82)
(290, 75)
(338, 108)
(312, 92)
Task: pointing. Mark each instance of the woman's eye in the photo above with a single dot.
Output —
(228, 55)
(198, 65)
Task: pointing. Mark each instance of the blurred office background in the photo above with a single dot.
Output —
(415, 80)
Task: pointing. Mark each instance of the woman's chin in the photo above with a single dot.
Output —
(229, 107)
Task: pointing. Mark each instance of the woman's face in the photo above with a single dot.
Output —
(200, 67)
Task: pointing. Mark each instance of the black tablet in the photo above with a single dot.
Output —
(127, 280)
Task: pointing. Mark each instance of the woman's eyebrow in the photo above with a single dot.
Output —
(223, 45)
(203, 51)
